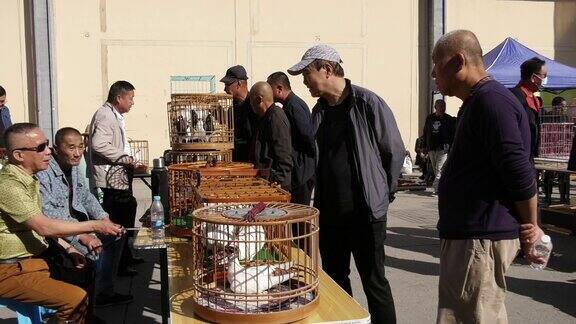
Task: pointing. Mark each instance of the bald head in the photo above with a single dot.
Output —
(261, 97)
(459, 42)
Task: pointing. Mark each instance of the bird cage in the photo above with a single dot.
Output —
(183, 182)
(201, 122)
(246, 267)
(192, 190)
(556, 132)
(186, 84)
(175, 157)
(139, 151)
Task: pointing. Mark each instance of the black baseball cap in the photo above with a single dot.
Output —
(233, 74)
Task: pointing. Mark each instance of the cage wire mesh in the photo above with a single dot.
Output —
(556, 132)
(182, 84)
(175, 156)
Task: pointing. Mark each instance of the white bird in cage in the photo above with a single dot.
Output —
(200, 132)
(257, 279)
(250, 239)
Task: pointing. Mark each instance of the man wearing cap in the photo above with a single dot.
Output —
(360, 154)
(245, 120)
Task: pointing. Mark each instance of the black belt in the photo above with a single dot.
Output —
(14, 261)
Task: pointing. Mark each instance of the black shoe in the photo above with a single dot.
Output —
(135, 261)
(116, 299)
(128, 272)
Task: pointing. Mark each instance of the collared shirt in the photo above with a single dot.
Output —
(122, 123)
(55, 189)
(20, 202)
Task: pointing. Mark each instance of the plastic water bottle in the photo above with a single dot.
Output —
(157, 220)
(542, 248)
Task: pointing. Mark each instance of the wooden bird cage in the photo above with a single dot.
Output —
(192, 190)
(251, 270)
(201, 122)
(175, 157)
(183, 182)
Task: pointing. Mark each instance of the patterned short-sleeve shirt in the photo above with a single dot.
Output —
(19, 202)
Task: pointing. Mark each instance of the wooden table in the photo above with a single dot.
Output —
(549, 172)
(335, 305)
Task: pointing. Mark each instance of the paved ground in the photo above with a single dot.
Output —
(547, 296)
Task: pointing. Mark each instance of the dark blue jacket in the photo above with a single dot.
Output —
(378, 151)
(303, 147)
(488, 168)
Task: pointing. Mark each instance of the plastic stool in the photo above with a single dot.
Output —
(26, 313)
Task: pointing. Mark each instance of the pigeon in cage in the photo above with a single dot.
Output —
(248, 241)
(256, 279)
(209, 123)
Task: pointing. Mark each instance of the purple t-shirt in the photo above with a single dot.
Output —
(488, 168)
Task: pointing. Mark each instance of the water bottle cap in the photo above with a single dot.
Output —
(545, 239)
(156, 198)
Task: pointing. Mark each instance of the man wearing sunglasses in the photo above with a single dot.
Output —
(533, 77)
(24, 276)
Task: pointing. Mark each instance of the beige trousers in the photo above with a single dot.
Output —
(472, 285)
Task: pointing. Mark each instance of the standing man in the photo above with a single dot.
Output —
(24, 276)
(487, 191)
(245, 121)
(110, 168)
(359, 161)
(533, 76)
(303, 147)
(5, 120)
(272, 147)
(438, 136)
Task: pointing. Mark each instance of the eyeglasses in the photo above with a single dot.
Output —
(540, 76)
(38, 149)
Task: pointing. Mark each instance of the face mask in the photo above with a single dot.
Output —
(544, 82)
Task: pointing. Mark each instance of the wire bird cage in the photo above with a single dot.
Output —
(139, 151)
(176, 157)
(246, 267)
(201, 122)
(556, 132)
(186, 84)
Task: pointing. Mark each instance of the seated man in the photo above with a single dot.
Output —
(65, 196)
(24, 276)
(272, 145)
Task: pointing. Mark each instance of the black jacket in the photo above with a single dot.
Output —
(303, 147)
(273, 146)
(533, 121)
(378, 151)
(245, 122)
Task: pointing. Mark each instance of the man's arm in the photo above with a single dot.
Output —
(302, 127)
(58, 228)
(390, 145)
(281, 147)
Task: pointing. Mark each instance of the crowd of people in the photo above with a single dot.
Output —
(61, 248)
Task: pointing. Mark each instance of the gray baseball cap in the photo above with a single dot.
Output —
(320, 51)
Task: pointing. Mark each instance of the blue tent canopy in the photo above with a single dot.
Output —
(503, 63)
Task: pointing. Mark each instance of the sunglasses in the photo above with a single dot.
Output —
(38, 149)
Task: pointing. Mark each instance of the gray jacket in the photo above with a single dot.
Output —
(378, 151)
(107, 162)
(54, 189)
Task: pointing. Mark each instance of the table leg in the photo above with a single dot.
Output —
(164, 299)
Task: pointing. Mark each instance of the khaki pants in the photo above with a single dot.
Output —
(28, 281)
(472, 285)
